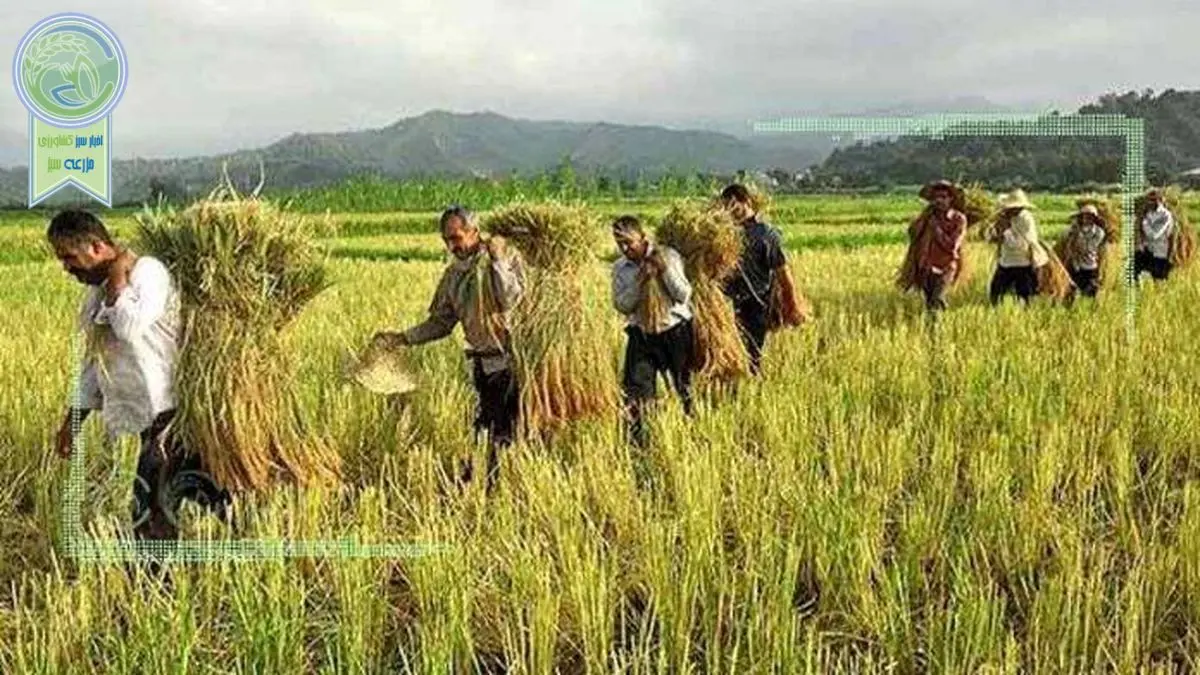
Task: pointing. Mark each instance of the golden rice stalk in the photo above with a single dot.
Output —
(719, 353)
(560, 355)
(779, 314)
(705, 236)
(711, 246)
(551, 235)
(1053, 280)
(561, 359)
(654, 309)
(975, 203)
(244, 270)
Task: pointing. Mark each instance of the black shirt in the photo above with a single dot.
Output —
(762, 252)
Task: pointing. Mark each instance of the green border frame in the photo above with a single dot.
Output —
(938, 126)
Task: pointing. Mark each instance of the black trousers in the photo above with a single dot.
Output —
(167, 474)
(752, 323)
(499, 405)
(1087, 281)
(647, 355)
(1021, 280)
(935, 286)
(1144, 261)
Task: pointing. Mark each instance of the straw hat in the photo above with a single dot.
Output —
(1089, 210)
(927, 191)
(1017, 199)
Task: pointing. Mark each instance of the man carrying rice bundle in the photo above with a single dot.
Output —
(934, 262)
(1156, 225)
(762, 263)
(1020, 251)
(650, 288)
(131, 315)
(462, 296)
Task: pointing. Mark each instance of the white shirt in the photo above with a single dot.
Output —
(134, 380)
(1156, 231)
(1019, 246)
(1091, 238)
(627, 297)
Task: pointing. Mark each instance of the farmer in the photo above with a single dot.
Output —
(1020, 252)
(939, 254)
(458, 299)
(1154, 239)
(762, 261)
(131, 315)
(650, 288)
(1084, 247)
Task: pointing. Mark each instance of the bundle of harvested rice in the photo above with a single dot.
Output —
(1183, 237)
(1053, 279)
(561, 359)
(781, 314)
(976, 204)
(711, 246)
(654, 310)
(244, 269)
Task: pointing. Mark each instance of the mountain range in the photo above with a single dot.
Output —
(482, 144)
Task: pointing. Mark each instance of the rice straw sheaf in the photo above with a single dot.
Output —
(561, 359)
(711, 246)
(654, 308)
(1183, 237)
(1053, 280)
(779, 314)
(976, 204)
(245, 269)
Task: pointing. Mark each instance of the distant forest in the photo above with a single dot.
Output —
(1172, 123)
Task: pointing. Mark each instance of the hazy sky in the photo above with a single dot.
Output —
(215, 75)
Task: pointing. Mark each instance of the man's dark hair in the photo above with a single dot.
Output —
(76, 226)
(627, 225)
(736, 192)
(456, 211)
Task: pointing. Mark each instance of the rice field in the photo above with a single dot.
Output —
(1005, 491)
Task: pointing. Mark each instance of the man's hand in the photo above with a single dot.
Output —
(496, 247)
(388, 340)
(653, 265)
(118, 275)
(66, 437)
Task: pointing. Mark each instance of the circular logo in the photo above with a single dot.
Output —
(70, 70)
